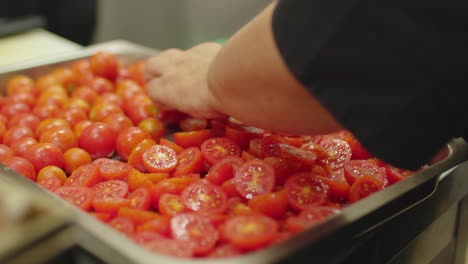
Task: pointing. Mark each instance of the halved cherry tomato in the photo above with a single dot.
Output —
(170, 144)
(309, 217)
(137, 180)
(242, 134)
(144, 237)
(354, 169)
(270, 145)
(195, 230)
(78, 196)
(192, 124)
(123, 225)
(305, 189)
(189, 161)
(172, 185)
(170, 247)
(86, 175)
(203, 196)
(296, 154)
(104, 217)
(338, 150)
(224, 169)
(363, 187)
(230, 188)
(254, 178)
(158, 158)
(250, 231)
(160, 225)
(395, 174)
(215, 149)
(110, 189)
(156, 177)
(140, 199)
(170, 204)
(111, 169)
(192, 138)
(136, 156)
(339, 187)
(51, 184)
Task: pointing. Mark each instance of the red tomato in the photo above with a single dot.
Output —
(19, 83)
(338, 150)
(105, 64)
(51, 184)
(172, 185)
(270, 145)
(85, 93)
(242, 134)
(339, 187)
(203, 196)
(295, 154)
(11, 109)
(136, 156)
(52, 172)
(254, 178)
(21, 146)
(137, 180)
(195, 230)
(170, 204)
(104, 217)
(75, 158)
(111, 169)
(229, 188)
(250, 231)
(395, 174)
(354, 169)
(46, 111)
(215, 149)
(5, 152)
(192, 138)
(118, 121)
(158, 158)
(78, 196)
(305, 189)
(154, 127)
(87, 175)
(144, 237)
(224, 169)
(16, 133)
(73, 115)
(160, 225)
(99, 112)
(62, 137)
(129, 138)
(189, 161)
(142, 111)
(140, 198)
(363, 187)
(225, 250)
(272, 204)
(98, 139)
(25, 120)
(170, 247)
(110, 205)
(44, 154)
(22, 166)
(309, 217)
(49, 123)
(80, 126)
(109, 98)
(123, 225)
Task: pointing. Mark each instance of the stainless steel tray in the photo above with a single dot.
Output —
(329, 242)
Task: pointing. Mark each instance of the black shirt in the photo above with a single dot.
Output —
(392, 72)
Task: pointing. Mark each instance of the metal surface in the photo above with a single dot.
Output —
(333, 241)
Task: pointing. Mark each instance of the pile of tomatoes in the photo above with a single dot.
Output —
(89, 133)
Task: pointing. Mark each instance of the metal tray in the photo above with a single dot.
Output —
(333, 241)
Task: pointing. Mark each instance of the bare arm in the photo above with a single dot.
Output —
(246, 79)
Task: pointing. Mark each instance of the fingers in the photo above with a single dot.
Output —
(157, 65)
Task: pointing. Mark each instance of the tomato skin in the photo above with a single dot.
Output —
(104, 64)
(87, 175)
(51, 184)
(160, 225)
(230, 189)
(44, 154)
(104, 217)
(339, 187)
(189, 161)
(49, 123)
(78, 196)
(62, 137)
(224, 169)
(203, 196)
(254, 178)
(363, 187)
(11, 109)
(118, 121)
(158, 158)
(19, 83)
(137, 216)
(110, 189)
(270, 145)
(395, 174)
(73, 115)
(140, 199)
(75, 158)
(154, 127)
(22, 166)
(98, 139)
(110, 205)
(250, 231)
(215, 149)
(195, 230)
(85, 93)
(26, 120)
(192, 138)
(5, 152)
(137, 180)
(21, 146)
(99, 112)
(309, 217)
(51, 172)
(16, 133)
(242, 134)
(170, 247)
(305, 189)
(192, 124)
(272, 204)
(123, 225)
(129, 138)
(172, 185)
(111, 169)
(170, 144)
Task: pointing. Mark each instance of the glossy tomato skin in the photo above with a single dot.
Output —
(136, 155)
(21, 166)
(250, 231)
(254, 178)
(192, 138)
(62, 137)
(272, 204)
(140, 198)
(354, 169)
(44, 154)
(98, 139)
(5, 152)
(21, 146)
(16, 133)
(105, 64)
(75, 158)
(87, 175)
(189, 161)
(129, 138)
(224, 169)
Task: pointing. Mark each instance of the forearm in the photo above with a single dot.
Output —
(250, 82)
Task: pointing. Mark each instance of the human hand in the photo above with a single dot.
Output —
(178, 79)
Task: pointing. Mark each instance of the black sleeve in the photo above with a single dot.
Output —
(392, 72)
